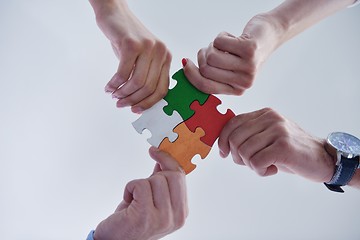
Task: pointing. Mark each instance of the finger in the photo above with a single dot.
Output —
(264, 162)
(260, 138)
(159, 93)
(125, 68)
(167, 163)
(237, 158)
(137, 79)
(226, 72)
(153, 80)
(160, 192)
(229, 43)
(245, 132)
(204, 84)
(231, 125)
(258, 141)
(139, 191)
(217, 58)
(145, 91)
(178, 195)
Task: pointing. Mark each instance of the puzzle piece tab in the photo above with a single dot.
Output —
(186, 146)
(158, 123)
(209, 119)
(182, 95)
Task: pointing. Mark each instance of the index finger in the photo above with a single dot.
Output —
(229, 43)
(233, 124)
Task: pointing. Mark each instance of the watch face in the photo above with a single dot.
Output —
(345, 143)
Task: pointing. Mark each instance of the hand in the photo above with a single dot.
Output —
(152, 207)
(142, 77)
(267, 142)
(229, 64)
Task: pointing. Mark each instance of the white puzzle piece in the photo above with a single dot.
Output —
(158, 123)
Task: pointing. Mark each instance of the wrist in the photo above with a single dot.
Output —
(105, 7)
(280, 26)
(331, 159)
(355, 181)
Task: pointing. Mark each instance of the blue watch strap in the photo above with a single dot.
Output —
(343, 173)
(91, 235)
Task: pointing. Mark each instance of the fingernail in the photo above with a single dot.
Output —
(154, 149)
(108, 89)
(184, 62)
(137, 110)
(121, 104)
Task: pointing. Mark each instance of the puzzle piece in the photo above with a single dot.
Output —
(209, 119)
(186, 146)
(182, 95)
(158, 123)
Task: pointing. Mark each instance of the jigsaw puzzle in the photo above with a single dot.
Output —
(209, 119)
(182, 95)
(186, 146)
(185, 123)
(158, 123)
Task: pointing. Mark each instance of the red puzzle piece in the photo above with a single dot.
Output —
(209, 119)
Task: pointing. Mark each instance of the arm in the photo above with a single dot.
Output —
(144, 59)
(230, 63)
(267, 142)
(152, 208)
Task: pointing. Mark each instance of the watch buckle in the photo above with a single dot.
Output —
(334, 188)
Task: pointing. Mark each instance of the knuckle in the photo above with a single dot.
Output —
(238, 90)
(162, 91)
(260, 173)
(204, 70)
(252, 69)
(149, 43)
(160, 48)
(149, 88)
(250, 48)
(211, 58)
(131, 44)
(137, 83)
(243, 153)
(179, 221)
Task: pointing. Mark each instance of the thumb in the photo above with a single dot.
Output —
(166, 162)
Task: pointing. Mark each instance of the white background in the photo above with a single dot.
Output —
(66, 151)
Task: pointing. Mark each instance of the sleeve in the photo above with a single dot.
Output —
(354, 4)
(91, 235)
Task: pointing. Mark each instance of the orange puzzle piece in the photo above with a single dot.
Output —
(186, 146)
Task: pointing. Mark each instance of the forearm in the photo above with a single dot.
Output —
(295, 16)
(104, 6)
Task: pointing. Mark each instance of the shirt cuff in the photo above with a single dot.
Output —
(91, 235)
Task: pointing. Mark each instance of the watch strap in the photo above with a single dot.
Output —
(343, 173)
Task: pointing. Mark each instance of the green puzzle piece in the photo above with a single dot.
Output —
(182, 95)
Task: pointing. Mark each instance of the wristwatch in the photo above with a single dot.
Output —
(345, 148)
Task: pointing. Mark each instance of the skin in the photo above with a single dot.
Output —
(267, 142)
(142, 77)
(153, 207)
(230, 63)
